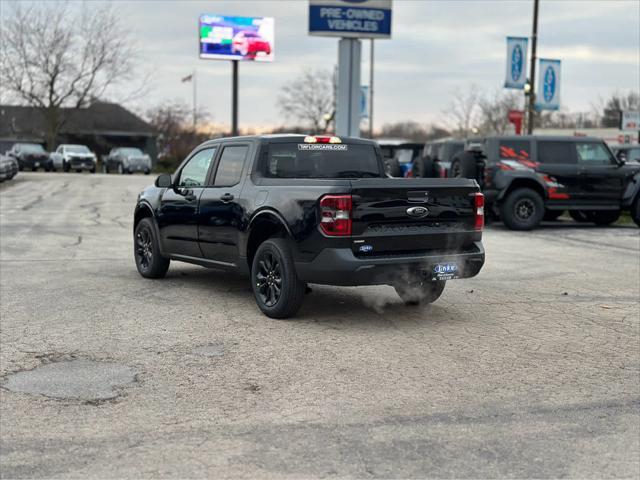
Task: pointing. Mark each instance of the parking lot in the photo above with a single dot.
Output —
(528, 370)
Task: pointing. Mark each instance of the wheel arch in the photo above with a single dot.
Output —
(265, 224)
(517, 183)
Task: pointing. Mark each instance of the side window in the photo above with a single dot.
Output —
(633, 155)
(230, 166)
(593, 154)
(194, 173)
(556, 152)
(59, 149)
(515, 150)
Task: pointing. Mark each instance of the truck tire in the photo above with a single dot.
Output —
(65, 166)
(392, 167)
(579, 216)
(420, 292)
(603, 217)
(146, 251)
(423, 167)
(464, 165)
(523, 209)
(635, 211)
(276, 287)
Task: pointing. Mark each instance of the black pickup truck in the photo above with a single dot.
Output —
(290, 209)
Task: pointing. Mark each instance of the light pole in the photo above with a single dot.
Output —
(532, 81)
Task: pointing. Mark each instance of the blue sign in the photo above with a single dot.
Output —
(516, 75)
(548, 97)
(350, 18)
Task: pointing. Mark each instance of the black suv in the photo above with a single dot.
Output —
(530, 178)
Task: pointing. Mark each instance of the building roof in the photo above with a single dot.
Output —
(101, 118)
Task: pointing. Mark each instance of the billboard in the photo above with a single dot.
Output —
(516, 75)
(350, 18)
(630, 120)
(236, 38)
(548, 94)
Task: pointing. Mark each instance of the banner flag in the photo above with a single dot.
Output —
(548, 92)
(516, 75)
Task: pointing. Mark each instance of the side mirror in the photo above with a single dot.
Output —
(622, 156)
(164, 181)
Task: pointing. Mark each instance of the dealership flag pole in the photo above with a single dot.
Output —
(532, 70)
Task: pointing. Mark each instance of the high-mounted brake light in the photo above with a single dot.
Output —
(335, 215)
(478, 206)
(322, 139)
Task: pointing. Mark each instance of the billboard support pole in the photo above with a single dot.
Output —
(234, 100)
(532, 70)
(348, 97)
(371, 90)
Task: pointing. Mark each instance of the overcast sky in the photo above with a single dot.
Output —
(435, 47)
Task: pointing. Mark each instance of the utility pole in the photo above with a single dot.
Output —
(371, 90)
(532, 70)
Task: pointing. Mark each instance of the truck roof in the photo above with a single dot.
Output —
(285, 137)
(556, 138)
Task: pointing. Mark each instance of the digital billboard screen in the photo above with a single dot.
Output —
(236, 38)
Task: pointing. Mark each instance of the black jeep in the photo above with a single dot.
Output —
(526, 179)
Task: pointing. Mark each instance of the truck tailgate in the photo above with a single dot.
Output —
(403, 216)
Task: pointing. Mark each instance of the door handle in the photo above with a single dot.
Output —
(227, 197)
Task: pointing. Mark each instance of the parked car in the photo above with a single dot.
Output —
(628, 153)
(248, 43)
(74, 157)
(8, 167)
(438, 156)
(127, 160)
(398, 156)
(530, 178)
(30, 156)
(289, 210)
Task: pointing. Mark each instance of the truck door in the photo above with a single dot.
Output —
(557, 161)
(601, 178)
(221, 213)
(178, 213)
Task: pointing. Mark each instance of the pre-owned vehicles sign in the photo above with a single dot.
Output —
(350, 18)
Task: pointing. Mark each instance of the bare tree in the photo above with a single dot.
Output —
(494, 111)
(462, 114)
(310, 99)
(609, 110)
(414, 131)
(176, 133)
(53, 56)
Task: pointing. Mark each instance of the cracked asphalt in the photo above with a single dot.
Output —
(530, 369)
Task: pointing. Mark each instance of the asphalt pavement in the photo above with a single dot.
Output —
(531, 369)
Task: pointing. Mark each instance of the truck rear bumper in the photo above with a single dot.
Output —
(339, 266)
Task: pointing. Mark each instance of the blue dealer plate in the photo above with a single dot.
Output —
(445, 271)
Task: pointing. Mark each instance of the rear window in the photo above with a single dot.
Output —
(321, 160)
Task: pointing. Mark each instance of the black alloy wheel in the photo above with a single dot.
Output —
(149, 262)
(144, 248)
(269, 279)
(524, 209)
(276, 287)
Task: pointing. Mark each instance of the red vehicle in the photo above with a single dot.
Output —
(249, 44)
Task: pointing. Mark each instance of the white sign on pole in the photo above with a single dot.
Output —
(548, 93)
(516, 75)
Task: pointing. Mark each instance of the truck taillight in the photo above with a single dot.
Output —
(478, 205)
(335, 212)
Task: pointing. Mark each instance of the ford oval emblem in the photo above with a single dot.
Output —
(418, 212)
(516, 63)
(549, 84)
